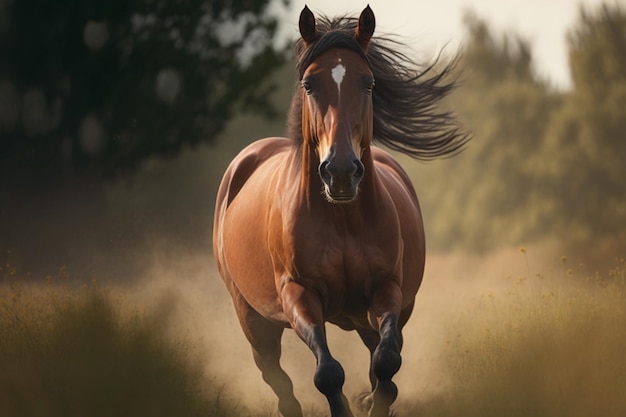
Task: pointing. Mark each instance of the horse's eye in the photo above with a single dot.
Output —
(370, 87)
(307, 87)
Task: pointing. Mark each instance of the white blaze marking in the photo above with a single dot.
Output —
(338, 72)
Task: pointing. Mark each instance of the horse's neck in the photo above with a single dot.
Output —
(310, 182)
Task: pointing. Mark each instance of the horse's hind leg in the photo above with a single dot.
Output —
(385, 358)
(370, 338)
(264, 337)
(386, 362)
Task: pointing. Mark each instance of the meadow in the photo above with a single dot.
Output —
(80, 349)
(504, 334)
(497, 330)
(538, 345)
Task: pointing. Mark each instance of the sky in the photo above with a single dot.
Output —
(428, 26)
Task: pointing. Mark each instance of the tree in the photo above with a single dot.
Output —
(587, 135)
(92, 88)
(542, 164)
(484, 197)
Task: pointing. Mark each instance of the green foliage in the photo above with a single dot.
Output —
(96, 87)
(586, 136)
(91, 93)
(596, 50)
(542, 163)
(491, 61)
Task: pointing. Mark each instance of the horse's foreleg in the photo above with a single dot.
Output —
(304, 311)
(264, 337)
(386, 359)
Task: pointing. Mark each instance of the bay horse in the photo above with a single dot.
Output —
(324, 226)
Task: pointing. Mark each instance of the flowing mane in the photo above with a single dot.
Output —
(405, 99)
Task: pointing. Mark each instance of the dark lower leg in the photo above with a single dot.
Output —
(329, 376)
(386, 362)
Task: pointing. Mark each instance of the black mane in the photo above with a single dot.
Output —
(405, 99)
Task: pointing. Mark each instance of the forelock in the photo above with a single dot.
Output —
(331, 37)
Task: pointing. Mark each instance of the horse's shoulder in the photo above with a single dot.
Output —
(248, 161)
(388, 165)
(383, 157)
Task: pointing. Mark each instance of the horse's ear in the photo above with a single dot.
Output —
(307, 25)
(365, 28)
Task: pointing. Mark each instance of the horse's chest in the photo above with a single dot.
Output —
(347, 264)
(341, 255)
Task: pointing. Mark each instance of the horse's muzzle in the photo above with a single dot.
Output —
(341, 181)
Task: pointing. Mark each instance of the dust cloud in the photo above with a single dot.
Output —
(453, 285)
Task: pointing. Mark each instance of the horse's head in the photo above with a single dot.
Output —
(337, 115)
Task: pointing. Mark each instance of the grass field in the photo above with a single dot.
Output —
(82, 350)
(485, 340)
(540, 345)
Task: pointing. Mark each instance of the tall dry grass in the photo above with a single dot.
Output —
(541, 346)
(81, 350)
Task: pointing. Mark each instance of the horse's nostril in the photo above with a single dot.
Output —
(360, 170)
(323, 171)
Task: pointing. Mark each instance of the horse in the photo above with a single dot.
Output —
(323, 226)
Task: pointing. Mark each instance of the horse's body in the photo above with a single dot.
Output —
(323, 228)
(273, 231)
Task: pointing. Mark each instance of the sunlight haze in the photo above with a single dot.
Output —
(430, 26)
